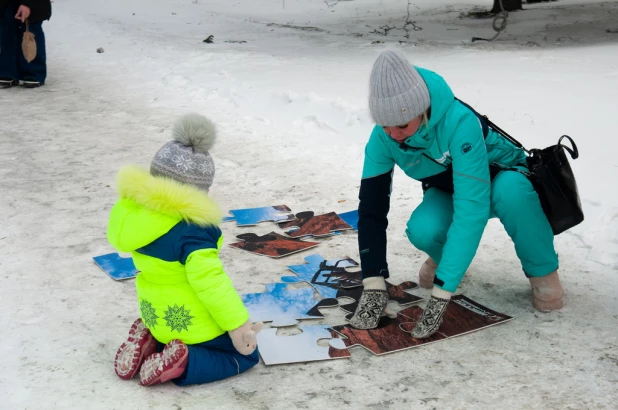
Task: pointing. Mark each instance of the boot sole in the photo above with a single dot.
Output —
(139, 345)
(175, 371)
(137, 357)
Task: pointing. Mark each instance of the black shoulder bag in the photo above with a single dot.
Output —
(552, 178)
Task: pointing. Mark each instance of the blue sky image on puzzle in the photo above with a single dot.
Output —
(280, 305)
(115, 266)
(253, 216)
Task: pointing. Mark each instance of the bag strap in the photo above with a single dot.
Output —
(493, 126)
(574, 151)
(482, 119)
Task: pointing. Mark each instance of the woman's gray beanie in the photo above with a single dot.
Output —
(397, 92)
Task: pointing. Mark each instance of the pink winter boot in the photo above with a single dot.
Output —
(547, 292)
(427, 273)
(139, 345)
(167, 365)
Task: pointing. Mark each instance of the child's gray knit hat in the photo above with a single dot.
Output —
(186, 159)
(397, 92)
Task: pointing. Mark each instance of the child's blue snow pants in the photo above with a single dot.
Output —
(514, 201)
(12, 62)
(215, 360)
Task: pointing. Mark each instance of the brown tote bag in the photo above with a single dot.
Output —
(28, 45)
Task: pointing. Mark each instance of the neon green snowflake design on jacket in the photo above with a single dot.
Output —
(148, 314)
(178, 318)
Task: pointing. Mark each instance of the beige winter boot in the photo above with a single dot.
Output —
(547, 292)
(427, 273)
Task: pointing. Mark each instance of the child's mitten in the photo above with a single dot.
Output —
(431, 319)
(372, 305)
(243, 337)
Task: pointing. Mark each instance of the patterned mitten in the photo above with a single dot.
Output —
(371, 305)
(431, 319)
(243, 338)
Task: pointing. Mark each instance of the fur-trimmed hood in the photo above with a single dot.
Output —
(150, 206)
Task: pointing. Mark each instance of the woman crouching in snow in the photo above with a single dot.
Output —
(194, 328)
(437, 140)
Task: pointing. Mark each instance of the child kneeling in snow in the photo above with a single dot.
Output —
(186, 300)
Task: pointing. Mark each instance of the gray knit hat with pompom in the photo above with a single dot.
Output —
(186, 159)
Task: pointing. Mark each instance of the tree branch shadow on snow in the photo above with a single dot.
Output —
(548, 25)
(407, 27)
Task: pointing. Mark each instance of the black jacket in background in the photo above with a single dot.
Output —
(40, 10)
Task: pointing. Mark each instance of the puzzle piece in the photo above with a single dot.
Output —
(395, 294)
(388, 337)
(253, 216)
(284, 306)
(271, 244)
(331, 273)
(117, 267)
(351, 218)
(316, 225)
(300, 348)
(325, 291)
(462, 316)
(335, 233)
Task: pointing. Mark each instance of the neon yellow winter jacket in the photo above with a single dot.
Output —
(172, 231)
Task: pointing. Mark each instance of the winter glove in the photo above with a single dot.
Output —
(372, 304)
(243, 338)
(431, 319)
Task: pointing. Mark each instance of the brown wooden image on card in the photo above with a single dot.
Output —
(462, 316)
(301, 219)
(309, 224)
(387, 337)
(272, 244)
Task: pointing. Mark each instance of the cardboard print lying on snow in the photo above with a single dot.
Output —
(117, 267)
(462, 316)
(272, 244)
(395, 294)
(315, 225)
(283, 307)
(300, 348)
(351, 218)
(331, 273)
(253, 216)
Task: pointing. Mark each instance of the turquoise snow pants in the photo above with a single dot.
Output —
(514, 201)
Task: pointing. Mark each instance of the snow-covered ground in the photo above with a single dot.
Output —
(291, 108)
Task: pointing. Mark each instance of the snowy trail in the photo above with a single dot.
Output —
(292, 126)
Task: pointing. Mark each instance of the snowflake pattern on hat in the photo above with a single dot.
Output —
(183, 164)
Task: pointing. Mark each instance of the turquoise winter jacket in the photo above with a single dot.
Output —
(451, 143)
